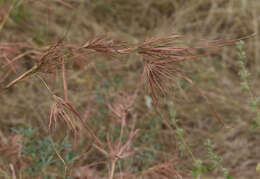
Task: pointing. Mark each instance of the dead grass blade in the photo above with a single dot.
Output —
(164, 170)
(66, 4)
(65, 85)
(2, 79)
(13, 171)
(9, 62)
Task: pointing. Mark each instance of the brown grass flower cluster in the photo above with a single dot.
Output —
(122, 104)
(161, 59)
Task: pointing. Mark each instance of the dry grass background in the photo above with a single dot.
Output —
(157, 150)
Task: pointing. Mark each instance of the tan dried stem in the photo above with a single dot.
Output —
(119, 149)
(66, 4)
(65, 85)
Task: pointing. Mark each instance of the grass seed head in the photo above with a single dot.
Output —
(59, 112)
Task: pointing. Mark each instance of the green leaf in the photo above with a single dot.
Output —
(196, 172)
(258, 168)
(229, 177)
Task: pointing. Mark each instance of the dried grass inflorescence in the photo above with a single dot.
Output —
(161, 58)
(105, 45)
(162, 63)
(59, 112)
(122, 104)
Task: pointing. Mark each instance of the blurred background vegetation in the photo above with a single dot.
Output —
(230, 78)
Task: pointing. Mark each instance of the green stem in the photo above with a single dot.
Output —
(13, 5)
